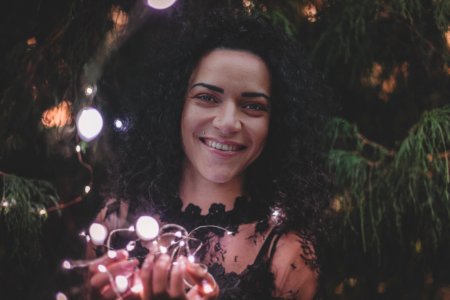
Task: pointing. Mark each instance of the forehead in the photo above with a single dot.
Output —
(236, 65)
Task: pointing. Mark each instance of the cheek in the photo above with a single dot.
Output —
(260, 132)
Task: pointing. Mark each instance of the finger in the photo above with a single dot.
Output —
(176, 285)
(146, 276)
(209, 288)
(196, 271)
(107, 292)
(205, 285)
(109, 258)
(160, 275)
(122, 267)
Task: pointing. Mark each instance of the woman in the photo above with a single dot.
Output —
(225, 119)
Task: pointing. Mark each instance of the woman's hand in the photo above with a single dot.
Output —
(100, 281)
(162, 280)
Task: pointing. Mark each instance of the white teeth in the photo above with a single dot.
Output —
(220, 146)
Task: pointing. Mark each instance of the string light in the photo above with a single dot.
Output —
(147, 228)
(112, 254)
(130, 246)
(98, 233)
(102, 269)
(121, 283)
(118, 123)
(207, 287)
(89, 123)
(5, 203)
(78, 148)
(90, 90)
(67, 265)
(137, 288)
(60, 296)
(87, 189)
(172, 239)
(160, 4)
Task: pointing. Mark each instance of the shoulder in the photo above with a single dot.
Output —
(294, 266)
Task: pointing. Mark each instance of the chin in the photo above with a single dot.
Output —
(220, 178)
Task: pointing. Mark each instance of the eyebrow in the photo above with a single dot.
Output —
(221, 90)
(255, 94)
(209, 86)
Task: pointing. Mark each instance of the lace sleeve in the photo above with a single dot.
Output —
(294, 267)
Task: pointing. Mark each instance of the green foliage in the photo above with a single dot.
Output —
(23, 213)
(380, 190)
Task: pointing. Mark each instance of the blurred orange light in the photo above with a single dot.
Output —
(310, 12)
(57, 116)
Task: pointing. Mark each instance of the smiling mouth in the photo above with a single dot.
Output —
(220, 146)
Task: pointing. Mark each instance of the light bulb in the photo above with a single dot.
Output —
(131, 245)
(112, 254)
(160, 4)
(102, 268)
(118, 123)
(137, 288)
(147, 228)
(121, 283)
(67, 265)
(207, 287)
(89, 123)
(98, 233)
(60, 296)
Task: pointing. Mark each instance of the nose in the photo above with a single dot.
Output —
(227, 118)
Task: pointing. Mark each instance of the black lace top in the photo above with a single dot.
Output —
(242, 272)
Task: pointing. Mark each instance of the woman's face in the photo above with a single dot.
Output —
(225, 119)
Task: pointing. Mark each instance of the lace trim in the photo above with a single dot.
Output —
(244, 211)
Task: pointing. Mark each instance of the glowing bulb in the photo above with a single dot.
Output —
(182, 243)
(89, 123)
(102, 268)
(275, 213)
(121, 283)
(178, 234)
(229, 232)
(98, 233)
(147, 228)
(160, 4)
(112, 254)
(5, 203)
(131, 245)
(60, 296)
(131, 228)
(163, 249)
(137, 288)
(66, 265)
(87, 189)
(78, 148)
(207, 288)
(191, 258)
(90, 90)
(118, 123)
(42, 212)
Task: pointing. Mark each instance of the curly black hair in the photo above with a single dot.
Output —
(146, 80)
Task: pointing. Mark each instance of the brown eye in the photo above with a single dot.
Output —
(206, 98)
(255, 106)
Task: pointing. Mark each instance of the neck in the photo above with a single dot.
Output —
(197, 190)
